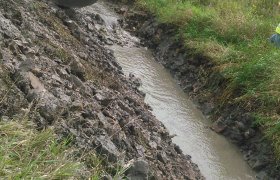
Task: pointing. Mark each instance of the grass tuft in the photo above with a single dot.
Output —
(27, 154)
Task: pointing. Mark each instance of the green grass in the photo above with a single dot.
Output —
(234, 35)
(28, 154)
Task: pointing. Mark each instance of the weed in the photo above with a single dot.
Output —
(29, 154)
(25, 153)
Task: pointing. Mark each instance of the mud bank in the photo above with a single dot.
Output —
(56, 71)
(197, 76)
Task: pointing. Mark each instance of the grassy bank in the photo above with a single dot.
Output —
(234, 36)
(28, 154)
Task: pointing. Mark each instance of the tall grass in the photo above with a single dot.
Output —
(234, 34)
(28, 154)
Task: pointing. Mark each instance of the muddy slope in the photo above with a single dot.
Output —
(198, 78)
(55, 71)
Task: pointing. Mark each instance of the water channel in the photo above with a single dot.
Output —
(216, 157)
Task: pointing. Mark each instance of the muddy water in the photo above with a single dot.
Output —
(215, 156)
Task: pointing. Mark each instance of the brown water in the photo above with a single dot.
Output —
(216, 157)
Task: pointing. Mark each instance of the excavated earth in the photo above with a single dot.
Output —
(197, 76)
(56, 71)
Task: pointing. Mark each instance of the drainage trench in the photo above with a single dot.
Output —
(214, 155)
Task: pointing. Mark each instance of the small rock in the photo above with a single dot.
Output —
(136, 81)
(262, 176)
(259, 165)
(71, 24)
(76, 106)
(78, 69)
(138, 171)
(38, 72)
(83, 56)
(104, 100)
(249, 133)
(90, 27)
(153, 145)
(123, 10)
(240, 125)
(99, 19)
(36, 83)
(172, 135)
(62, 72)
(218, 126)
(145, 117)
(162, 157)
(125, 107)
(178, 149)
(78, 84)
(141, 150)
(107, 147)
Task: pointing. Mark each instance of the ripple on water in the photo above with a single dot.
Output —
(216, 158)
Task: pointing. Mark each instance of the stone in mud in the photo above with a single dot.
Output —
(103, 120)
(140, 150)
(122, 10)
(259, 165)
(35, 83)
(240, 125)
(106, 147)
(99, 19)
(136, 81)
(62, 72)
(236, 136)
(74, 28)
(249, 133)
(162, 157)
(138, 171)
(72, 25)
(125, 108)
(83, 55)
(218, 126)
(105, 101)
(76, 82)
(178, 149)
(145, 117)
(48, 107)
(263, 176)
(8, 28)
(37, 72)
(153, 144)
(78, 69)
(47, 113)
(76, 106)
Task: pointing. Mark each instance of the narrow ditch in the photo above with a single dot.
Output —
(215, 156)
